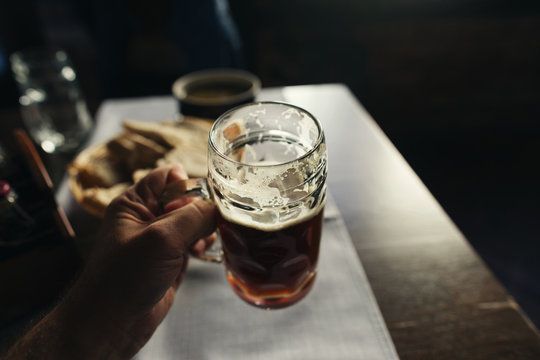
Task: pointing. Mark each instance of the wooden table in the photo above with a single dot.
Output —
(437, 297)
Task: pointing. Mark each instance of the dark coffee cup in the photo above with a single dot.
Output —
(210, 93)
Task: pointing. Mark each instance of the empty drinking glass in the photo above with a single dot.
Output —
(53, 107)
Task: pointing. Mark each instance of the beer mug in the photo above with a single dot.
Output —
(267, 167)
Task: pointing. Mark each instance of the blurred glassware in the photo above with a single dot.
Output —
(53, 107)
(15, 222)
(3, 157)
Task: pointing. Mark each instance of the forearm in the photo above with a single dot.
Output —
(79, 327)
(53, 338)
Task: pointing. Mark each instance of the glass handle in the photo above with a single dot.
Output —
(177, 194)
(184, 189)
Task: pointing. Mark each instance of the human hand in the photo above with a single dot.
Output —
(140, 257)
(129, 282)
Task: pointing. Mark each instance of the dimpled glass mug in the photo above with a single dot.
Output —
(267, 167)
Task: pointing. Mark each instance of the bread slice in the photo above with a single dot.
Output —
(193, 160)
(102, 172)
(190, 132)
(98, 166)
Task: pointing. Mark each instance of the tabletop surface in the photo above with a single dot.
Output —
(338, 320)
(437, 297)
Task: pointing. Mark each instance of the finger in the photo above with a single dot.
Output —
(184, 226)
(202, 245)
(183, 201)
(198, 248)
(147, 190)
(178, 172)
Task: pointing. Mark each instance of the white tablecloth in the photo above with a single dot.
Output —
(339, 319)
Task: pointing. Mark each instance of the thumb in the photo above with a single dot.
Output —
(185, 225)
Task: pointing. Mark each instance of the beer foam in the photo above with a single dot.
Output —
(261, 177)
(261, 221)
(268, 198)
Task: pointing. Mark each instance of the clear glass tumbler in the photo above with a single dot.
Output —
(53, 108)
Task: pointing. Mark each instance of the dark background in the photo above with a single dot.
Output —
(454, 84)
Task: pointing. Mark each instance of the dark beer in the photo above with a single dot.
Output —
(271, 269)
